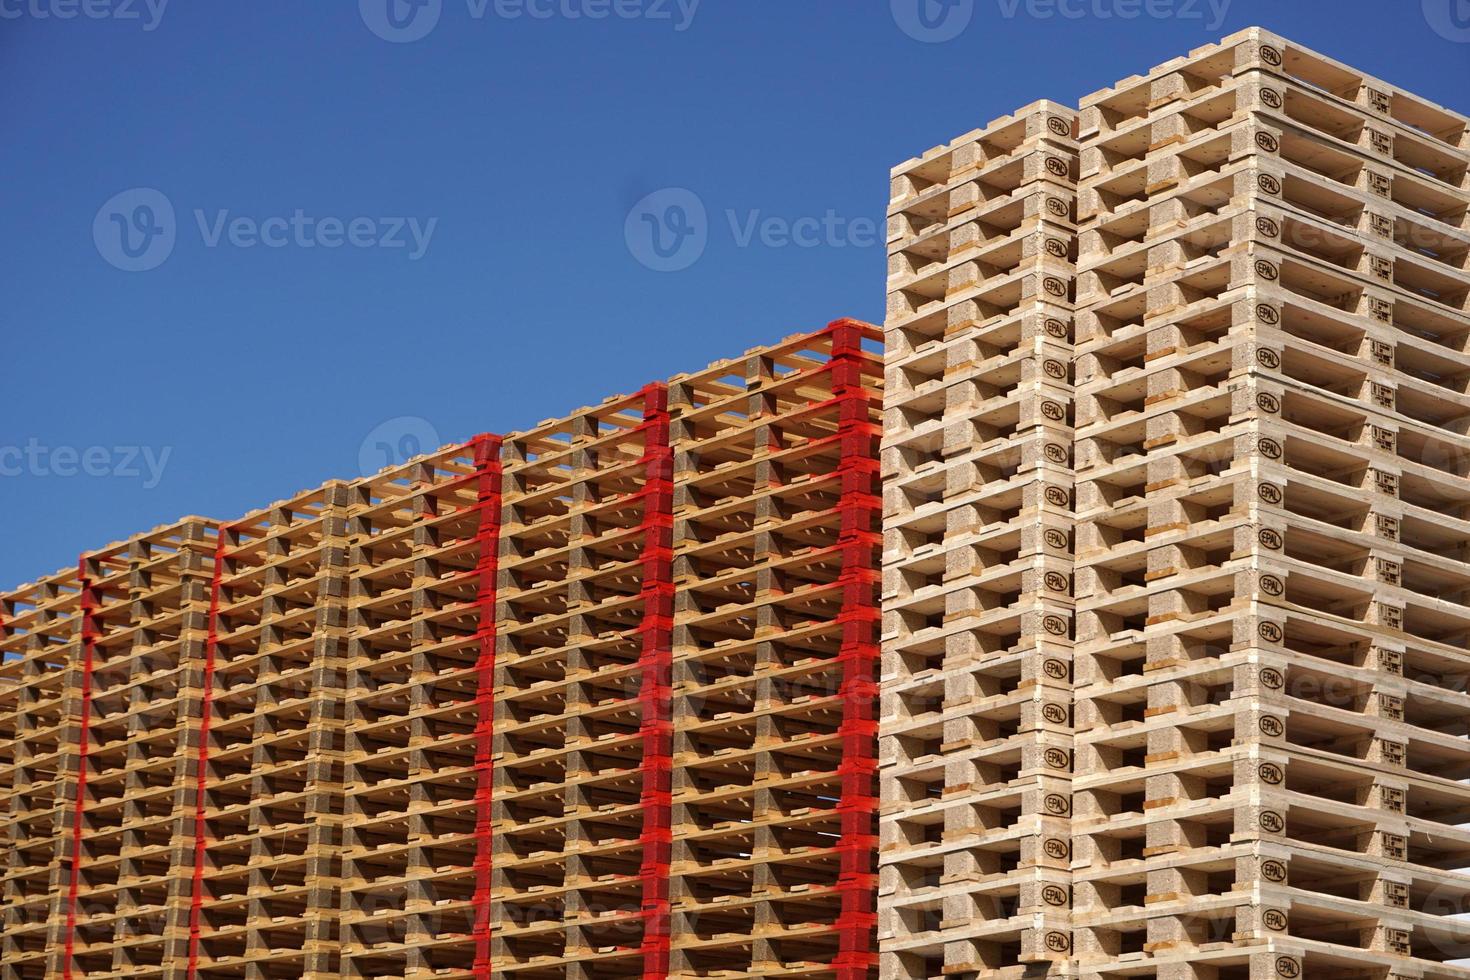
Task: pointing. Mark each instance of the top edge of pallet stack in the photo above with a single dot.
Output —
(448, 449)
(716, 367)
(66, 575)
(1292, 56)
(1040, 107)
(156, 533)
(790, 340)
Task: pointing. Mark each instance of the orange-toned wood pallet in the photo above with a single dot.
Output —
(454, 719)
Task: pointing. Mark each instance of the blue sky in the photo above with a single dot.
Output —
(254, 246)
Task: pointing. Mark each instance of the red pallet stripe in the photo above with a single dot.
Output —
(201, 786)
(89, 646)
(488, 473)
(859, 507)
(655, 694)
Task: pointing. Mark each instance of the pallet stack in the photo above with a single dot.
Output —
(266, 844)
(684, 731)
(580, 741)
(39, 635)
(776, 546)
(977, 566)
(420, 615)
(1273, 600)
(129, 695)
(1271, 580)
(457, 719)
(1174, 565)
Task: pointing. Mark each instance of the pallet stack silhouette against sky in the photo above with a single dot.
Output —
(1106, 615)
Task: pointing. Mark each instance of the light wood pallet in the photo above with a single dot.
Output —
(737, 852)
(1265, 235)
(776, 549)
(583, 552)
(976, 735)
(267, 846)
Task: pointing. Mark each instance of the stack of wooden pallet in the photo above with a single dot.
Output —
(977, 567)
(1175, 582)
(1271, 577)
(41, 625)
(593, 700)
(414, 701)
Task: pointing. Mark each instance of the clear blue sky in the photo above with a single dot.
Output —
(235, 372)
